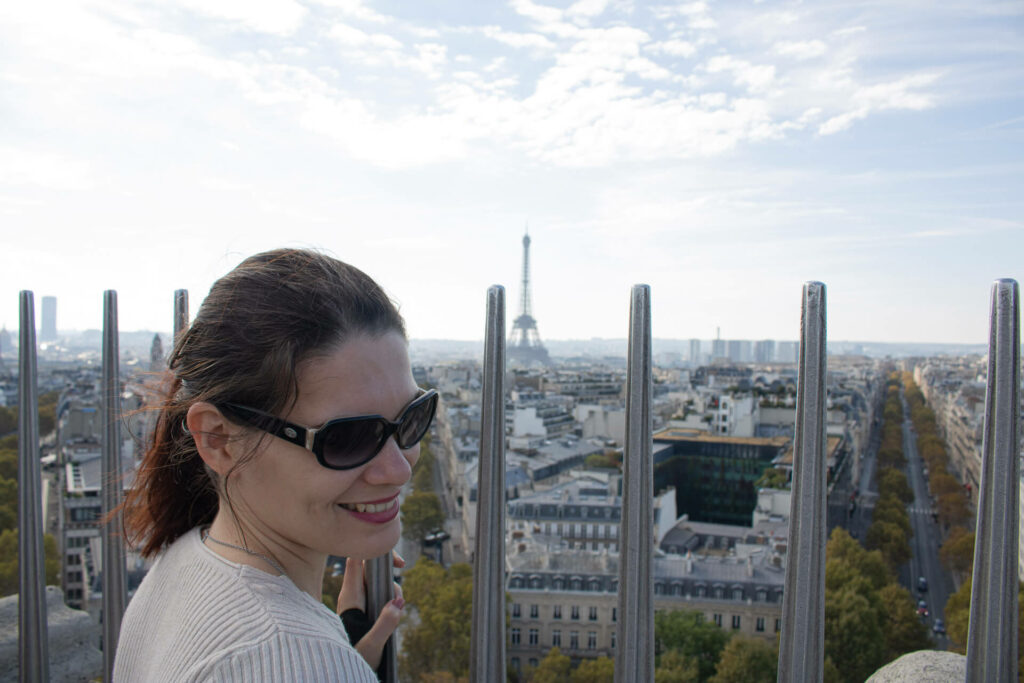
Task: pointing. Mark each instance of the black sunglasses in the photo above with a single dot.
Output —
(348, 442)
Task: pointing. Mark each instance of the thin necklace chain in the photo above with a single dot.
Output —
(269, 560)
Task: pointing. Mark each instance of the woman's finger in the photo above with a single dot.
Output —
(353, 589)
(371, 646)
(399, 561)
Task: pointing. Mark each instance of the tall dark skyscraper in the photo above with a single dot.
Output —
(49, 331)
(524, 345)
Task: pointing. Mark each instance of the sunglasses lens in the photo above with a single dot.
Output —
(416, 421)
(350, 444)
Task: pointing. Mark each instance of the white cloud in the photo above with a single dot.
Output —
(588, 8)
(351, 37)
(520, 40)
(898, 94)
(756, 77)
(849, 30)
(356, 9)
(539, 13)
(42, 168)
(800, 49)
(280, 17)
(674, 47)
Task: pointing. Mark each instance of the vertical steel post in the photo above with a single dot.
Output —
(380, 591)
(992, 634)
(33, 655)
(114, 593)
(487, 649)
(634, 659)
(802, 648)
(180, 314)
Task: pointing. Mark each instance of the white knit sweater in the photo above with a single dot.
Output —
(200, 617)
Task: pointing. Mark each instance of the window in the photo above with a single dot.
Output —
(534, 611)
(613, 639)
(515, 610)
(515, 663)
(534, 662)
(574, 640)
(615, 613)
(515, 635)
(735, 621)
(575, 613)
(593, 614)
(556, 612)
(718, 619)
(759, 625)
(556, 638)
(534, 636)
(778, 623)
(591, 640)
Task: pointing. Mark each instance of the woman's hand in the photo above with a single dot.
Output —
(353, 596)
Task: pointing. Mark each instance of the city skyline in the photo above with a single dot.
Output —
(721, 153)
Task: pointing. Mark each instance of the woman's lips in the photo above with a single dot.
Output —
(376, 512)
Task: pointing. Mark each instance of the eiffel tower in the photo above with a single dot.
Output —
(524, 346)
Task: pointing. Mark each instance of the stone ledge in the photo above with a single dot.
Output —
(73, 641)
(923, 666)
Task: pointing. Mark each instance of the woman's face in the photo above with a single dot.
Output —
(294, 501)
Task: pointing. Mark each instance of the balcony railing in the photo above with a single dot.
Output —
(992, 636)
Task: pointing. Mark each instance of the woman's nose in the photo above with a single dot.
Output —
(392, 465)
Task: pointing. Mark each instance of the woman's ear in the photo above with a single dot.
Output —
(212, 433)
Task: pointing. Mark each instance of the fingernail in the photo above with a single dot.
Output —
(398, 602)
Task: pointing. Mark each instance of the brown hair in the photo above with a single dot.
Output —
(257, 324)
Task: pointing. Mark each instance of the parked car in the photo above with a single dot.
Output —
(938, 627)
(922, 608)
(922, 584)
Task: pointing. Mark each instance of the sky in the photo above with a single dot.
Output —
(723, 153)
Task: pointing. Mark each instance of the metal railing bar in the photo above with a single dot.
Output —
(380, 591)
(33, 646)
(114, 591)
(487, 648)
(180, 314)
(992, 634)
(802, 646)
(634, 659)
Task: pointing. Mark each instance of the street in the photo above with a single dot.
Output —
(927, 538)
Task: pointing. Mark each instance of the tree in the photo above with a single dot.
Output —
(599, 670)
(9, 561)
(421, 515)
(904, 631)
(958, 550)
(772, 478)
(9, 463)
(846, 551)
(675, 667)
(854, 639)
(423, 472)
(953, 508)
(554, 668)
(892, 510)
(941, 482)
(8, 503)
(958, 612)
(894, 483)
(890, 539)
(692, 637)
(437, 637)
(747, 660)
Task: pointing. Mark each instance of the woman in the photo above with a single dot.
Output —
(292, 423)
